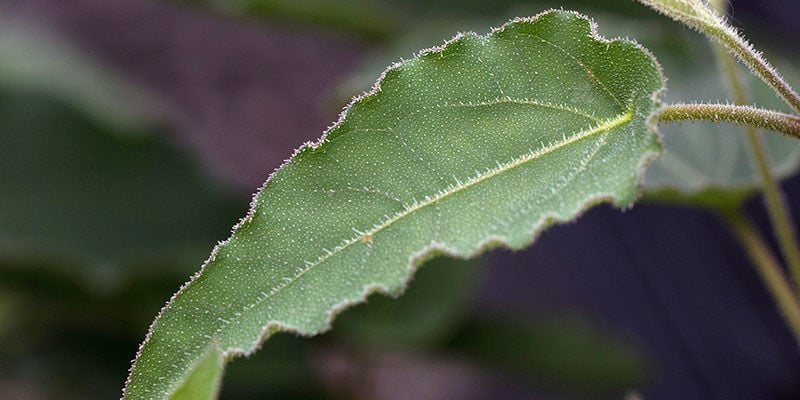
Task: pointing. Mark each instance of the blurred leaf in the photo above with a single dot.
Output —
(97, 202)
(57, 321)
(9, 316)
(281, 370)
(423, 316)
(374, 19)
(706, 163)
(490, 154)
(35, 61)
(480, 8)
(98, 217)
(560, 353)
(388, 19)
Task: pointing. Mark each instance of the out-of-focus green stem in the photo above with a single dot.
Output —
(768, 268)
(774, 199)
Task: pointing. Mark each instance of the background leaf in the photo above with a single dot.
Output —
(27, 57)
(100, 217)
(557, 352)
(386, 20)
(426, 314)
(124, 200)
(709, 163)
(415, 169)
(372, 19)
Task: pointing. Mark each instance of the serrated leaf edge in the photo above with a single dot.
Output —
(415, 259)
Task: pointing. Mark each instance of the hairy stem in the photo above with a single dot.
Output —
(698, 15)
(743, 115)
(768, 268)
(774, 199)
(753, 59)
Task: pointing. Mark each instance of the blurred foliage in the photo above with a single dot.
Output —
(78, 192)
(386, 20)
(560, 353)
(33, 61)
(101, 218)
(424, 316)
(282, 369)
(366, 18)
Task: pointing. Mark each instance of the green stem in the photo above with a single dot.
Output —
(753, 59)
(768, 268)
(743, 115)
(698, 15)
(774, 199)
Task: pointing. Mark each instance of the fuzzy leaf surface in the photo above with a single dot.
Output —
(483, 142)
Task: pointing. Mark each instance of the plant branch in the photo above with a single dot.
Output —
(744, 115)
(744, 51)
(768, 268)
(698, 15)
(774, 199)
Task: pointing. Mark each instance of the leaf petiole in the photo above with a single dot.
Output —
(698, 15)
(743, 115)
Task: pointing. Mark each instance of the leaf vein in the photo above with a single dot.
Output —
(605, 126)
(582, 65)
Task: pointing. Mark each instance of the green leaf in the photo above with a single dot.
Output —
(204, 381)
(27, 57)
(125, 202)
(564, 354)
(707, 163)
(370, 18)
(701, 16)
(285, 368)
(483, 142)
(426, 314)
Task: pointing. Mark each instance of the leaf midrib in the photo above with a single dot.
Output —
(605, 126)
